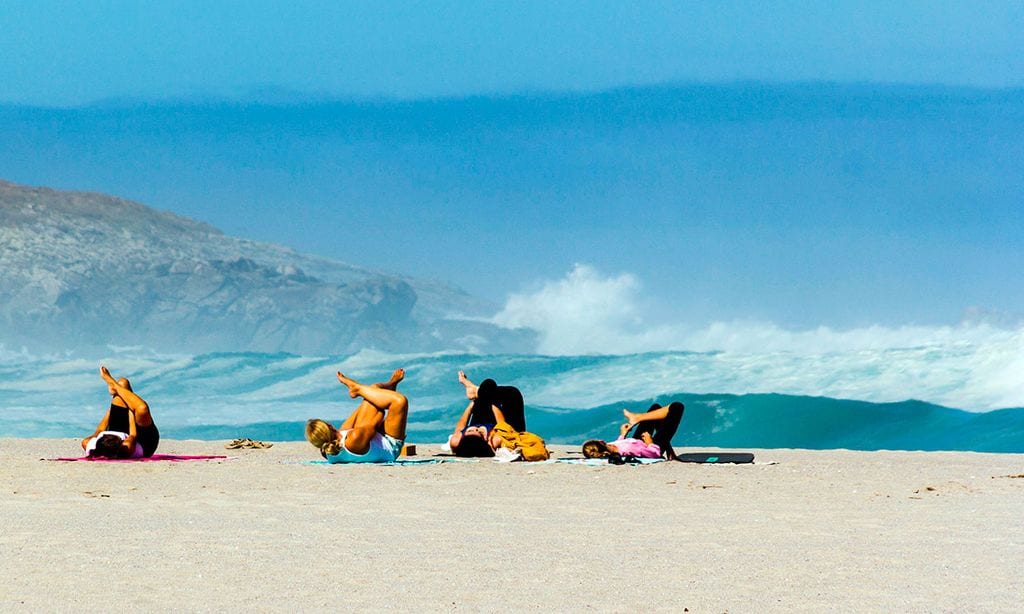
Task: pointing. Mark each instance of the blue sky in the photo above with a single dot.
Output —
(59, 53)
(886, 205)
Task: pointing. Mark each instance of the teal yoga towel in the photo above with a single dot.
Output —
(404, 461)
(600, 462)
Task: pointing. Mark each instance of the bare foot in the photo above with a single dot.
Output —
(471, 388)
(392, 384)
(351, 384)
(630, 417)
(105, 374)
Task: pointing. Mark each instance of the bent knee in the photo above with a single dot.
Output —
(358, 440)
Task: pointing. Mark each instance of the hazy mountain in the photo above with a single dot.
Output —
(802, 204)
(83, 271)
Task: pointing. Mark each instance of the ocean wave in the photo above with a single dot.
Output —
(733, 398)
(728, 421)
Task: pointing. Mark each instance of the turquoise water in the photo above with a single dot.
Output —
(569, 399)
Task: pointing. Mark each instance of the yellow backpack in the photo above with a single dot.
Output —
(531, 446)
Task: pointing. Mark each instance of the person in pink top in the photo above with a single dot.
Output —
(652, 438)
(623, 446)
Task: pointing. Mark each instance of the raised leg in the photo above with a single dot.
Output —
(653, 414)
(135, 403)
(365, 416)
(357, 441)
(514, 408)
(660, 423)
(666, 429)
(362, 424)
(390, 401)
(392, 383)
(471, 388)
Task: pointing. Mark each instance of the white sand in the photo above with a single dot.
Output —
(814, 532)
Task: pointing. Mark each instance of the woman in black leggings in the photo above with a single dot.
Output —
(489, 404)
(123, 401)
(660, 423)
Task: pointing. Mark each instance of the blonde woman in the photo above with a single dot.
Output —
(373, 433)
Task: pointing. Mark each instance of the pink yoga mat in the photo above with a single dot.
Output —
(156, 457)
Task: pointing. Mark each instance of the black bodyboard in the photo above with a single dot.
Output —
(715, 457)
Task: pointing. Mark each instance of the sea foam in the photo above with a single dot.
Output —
(858, 397)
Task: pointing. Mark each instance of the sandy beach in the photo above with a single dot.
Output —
(797, 531)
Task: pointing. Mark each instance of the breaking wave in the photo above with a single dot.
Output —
(858, 398)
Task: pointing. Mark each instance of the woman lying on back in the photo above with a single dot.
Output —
(489, 404)
(127, 429)
(652, 439)
(623, 446)
(494, 419)
(373, 433)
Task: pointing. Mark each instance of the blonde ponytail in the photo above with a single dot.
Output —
(330, 448)
(323, 436)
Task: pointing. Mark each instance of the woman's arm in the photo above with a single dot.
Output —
(102, 426)
(463, 419)
(653, 449)
(624, 429)
(460, 425)
(498, 414)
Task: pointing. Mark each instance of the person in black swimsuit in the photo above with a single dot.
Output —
(489, 404)
(122, 402)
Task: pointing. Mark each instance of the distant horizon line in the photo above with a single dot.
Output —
(279, 96)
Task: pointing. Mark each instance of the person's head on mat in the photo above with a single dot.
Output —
(323, 436)
(598, 448)
(109, 446)
(474, 442)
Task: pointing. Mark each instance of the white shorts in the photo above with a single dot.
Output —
(383, 449)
